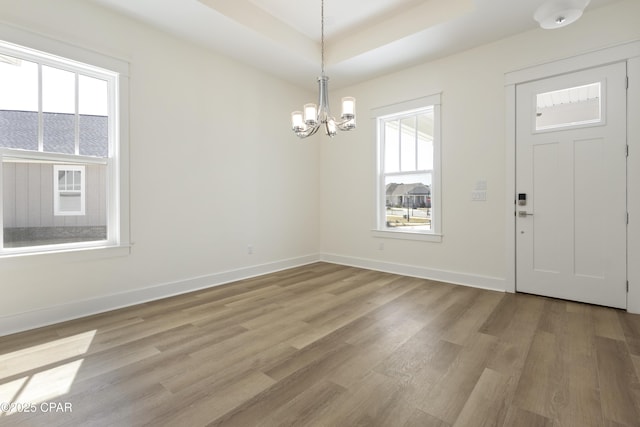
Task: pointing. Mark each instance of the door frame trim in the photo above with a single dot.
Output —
(629, 52)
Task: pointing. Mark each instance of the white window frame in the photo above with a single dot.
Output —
(58, 193)
(14, 42)
(397, 110)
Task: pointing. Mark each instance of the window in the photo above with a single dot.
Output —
(408, 190)
(60, 152)
(68, 190)
(570, 107)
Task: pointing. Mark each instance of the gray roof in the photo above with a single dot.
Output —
(415, 189)
(19, 129)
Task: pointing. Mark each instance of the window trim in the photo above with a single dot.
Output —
(118, 240)
(398, 109)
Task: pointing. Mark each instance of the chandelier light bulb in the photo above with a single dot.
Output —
(348, 107)
(310, 114)
(297, 122)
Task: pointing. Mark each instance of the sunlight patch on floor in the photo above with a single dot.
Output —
(35, 357)
(49, 371)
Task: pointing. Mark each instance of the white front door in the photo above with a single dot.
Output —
(571, 186)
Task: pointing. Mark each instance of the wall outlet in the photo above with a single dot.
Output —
(250, 249)
(381, 246)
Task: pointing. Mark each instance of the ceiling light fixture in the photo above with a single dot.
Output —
(559, 13)
(307, 123)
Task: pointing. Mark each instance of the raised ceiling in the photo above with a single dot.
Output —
(363, 38)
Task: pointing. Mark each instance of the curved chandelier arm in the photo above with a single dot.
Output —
(347, 124)
(307, 131)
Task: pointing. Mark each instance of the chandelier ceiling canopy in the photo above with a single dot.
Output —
(559, 13)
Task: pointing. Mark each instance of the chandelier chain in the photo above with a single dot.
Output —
(322, 35)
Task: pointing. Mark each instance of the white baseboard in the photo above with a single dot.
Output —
(76, 309)
(465, 279)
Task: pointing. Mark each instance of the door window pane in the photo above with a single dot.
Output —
(569, 107)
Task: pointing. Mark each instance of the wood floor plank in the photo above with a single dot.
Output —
(285, 390)
(542, 385)
(203, 406)
(619, 385)
(331, 345)
(446, 398)
(554, 317)
(309, 408)
(374, 345)
(421, 419)
(580, 366)
(473, 318)
(419, 304)
(488, 403)
(582, 408)
(419, 359)
(607, 323)
(509, 309)
(636, 362)
(516, 336)
(371, 402)
(522, 418)
(631, 328)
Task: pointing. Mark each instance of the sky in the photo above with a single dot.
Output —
(19, 89)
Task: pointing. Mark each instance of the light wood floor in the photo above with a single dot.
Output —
(329, 345)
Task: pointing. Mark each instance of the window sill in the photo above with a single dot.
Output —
(64, 255)
(408, 235)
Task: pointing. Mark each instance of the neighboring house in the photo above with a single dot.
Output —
(416, 195)
(47, 202)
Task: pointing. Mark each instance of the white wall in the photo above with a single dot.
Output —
(214, 168)
(473, 148)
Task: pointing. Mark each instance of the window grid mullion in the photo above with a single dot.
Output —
(76, 131)
(415, 138)
(399, 145)
(40, 113)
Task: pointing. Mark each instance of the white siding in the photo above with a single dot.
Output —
(28, 197)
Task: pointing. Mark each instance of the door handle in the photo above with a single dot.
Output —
(524, 214)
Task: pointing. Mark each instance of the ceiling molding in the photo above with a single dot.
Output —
(363, 38)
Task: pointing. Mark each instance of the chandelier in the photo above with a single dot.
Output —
(307, 123)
